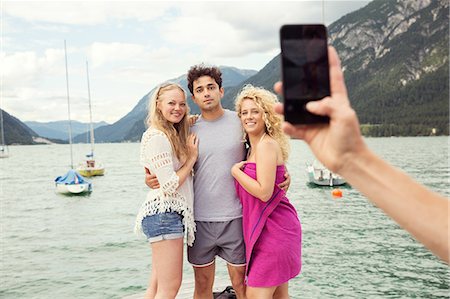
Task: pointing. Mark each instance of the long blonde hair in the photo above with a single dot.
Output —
(265, 100)
(177, 133)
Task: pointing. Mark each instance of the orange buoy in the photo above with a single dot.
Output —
(336, 192)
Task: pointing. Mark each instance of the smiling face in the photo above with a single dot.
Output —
(206, 93)
(252, 117)
(172, 105)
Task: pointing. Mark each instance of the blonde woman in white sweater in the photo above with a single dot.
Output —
(169, 152)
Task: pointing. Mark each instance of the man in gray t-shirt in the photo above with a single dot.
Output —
(217, 209)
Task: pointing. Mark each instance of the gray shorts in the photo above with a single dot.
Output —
(224, 239)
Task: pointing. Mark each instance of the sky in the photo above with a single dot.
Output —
(130, 47)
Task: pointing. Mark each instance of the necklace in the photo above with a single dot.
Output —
(262, 137)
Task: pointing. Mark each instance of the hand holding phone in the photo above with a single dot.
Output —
(305, 71)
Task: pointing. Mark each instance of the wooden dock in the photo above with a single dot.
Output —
(187, 289)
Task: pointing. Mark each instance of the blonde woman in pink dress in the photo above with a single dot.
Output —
(272, 231)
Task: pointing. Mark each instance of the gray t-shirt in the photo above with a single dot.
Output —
(220, 147)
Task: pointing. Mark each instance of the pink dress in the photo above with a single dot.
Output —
(272, 235)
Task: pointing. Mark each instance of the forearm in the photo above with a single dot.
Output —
(420, 211)
(252, 186)
(185, 171)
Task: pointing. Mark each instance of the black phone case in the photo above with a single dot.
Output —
(295, 106)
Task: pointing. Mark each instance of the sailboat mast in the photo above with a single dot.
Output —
(90, 111)
(68, 107)
(1, 123)
(1, 92)
(323, 12)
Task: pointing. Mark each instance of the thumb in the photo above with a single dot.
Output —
(321, 107)
(279, 108)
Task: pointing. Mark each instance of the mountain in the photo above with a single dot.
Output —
(60, 129)
(16, 132)
(131, 126)
(396, 61)
(395, 58)
(266, 78)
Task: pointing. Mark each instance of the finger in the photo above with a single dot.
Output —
(279, 108)
(322, 107)
(295, 132)
(278, 87)
(282, 185)
(191, 138)
(337, 82)
(147, 171)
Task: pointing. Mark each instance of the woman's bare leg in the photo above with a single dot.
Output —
(282, 292)
(167, 265)
(152, 284)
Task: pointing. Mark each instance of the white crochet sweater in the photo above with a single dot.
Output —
(158, 157)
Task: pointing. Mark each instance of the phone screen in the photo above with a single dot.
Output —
(305, 70)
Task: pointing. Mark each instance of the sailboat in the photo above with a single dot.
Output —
(72, 182)
(4, 153)
(90, 167)
(322, 176)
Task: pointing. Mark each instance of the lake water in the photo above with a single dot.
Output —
(54, 246)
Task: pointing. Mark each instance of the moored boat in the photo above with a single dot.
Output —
(72, 183)
(90, 167)
(322, 176)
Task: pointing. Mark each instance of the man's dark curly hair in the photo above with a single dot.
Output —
(200, 70)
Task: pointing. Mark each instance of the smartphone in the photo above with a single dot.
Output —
(305, 71)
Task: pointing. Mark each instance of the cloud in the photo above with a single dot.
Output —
(26, 68)
(104, 53)
(224, 29)
(83, 12)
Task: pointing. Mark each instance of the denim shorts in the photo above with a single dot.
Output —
(163, 226)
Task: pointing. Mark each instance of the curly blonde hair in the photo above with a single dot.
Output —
(265, 100)
(177, 133)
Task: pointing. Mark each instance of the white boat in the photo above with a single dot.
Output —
(4, 153)
(90, 167)
(72, 182)
(322, 176)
